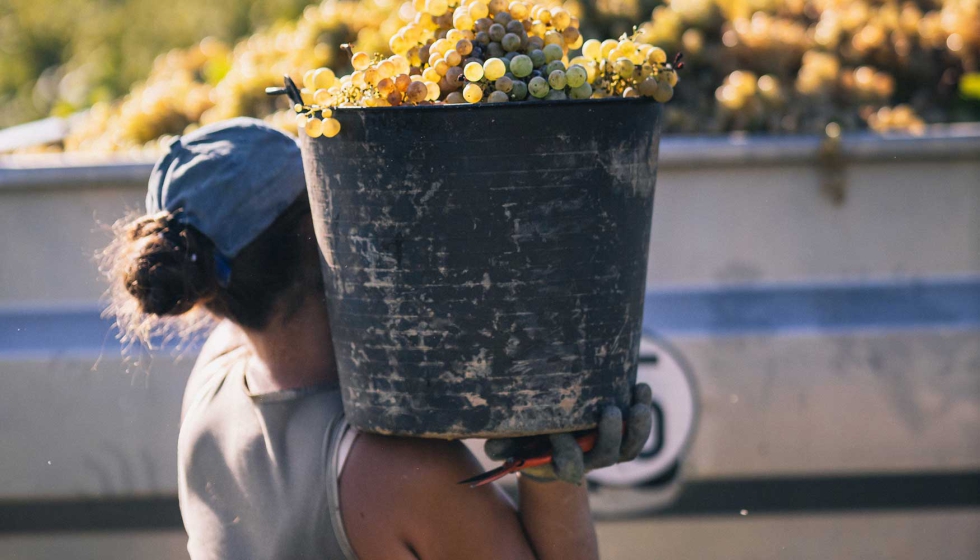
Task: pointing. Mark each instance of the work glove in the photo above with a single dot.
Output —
(616, 443)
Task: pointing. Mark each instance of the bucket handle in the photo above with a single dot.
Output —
(288, 89)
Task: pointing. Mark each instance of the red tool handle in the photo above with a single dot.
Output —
(585, 441)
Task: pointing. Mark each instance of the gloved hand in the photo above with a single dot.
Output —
(568, 462)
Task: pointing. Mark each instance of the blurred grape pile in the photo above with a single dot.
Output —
(777, 66)
(63, 55)
(213, 81)
(786, 66)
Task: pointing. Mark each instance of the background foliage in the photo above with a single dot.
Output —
(65, 54)
(778, 66)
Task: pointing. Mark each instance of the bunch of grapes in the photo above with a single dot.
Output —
(900, 117)
(486, 51)
(210, 81)
(820, 62)
(779, 66)
(174, 97)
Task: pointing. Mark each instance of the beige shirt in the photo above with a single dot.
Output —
(258, 474)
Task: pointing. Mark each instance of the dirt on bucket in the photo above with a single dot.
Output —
(485, 284)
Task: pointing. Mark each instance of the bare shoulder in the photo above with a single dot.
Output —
(400, 499)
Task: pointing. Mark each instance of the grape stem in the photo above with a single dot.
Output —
(346, 47)
(678, 63)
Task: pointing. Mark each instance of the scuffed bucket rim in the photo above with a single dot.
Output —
(510, 105)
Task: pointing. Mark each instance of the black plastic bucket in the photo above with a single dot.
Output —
(485, 264)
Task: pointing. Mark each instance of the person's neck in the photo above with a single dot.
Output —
(293, 352)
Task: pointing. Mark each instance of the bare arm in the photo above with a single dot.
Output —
(557, 519)
(554, 499)
(399, 497)
(399, 500)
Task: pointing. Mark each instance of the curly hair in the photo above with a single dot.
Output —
(163, 280)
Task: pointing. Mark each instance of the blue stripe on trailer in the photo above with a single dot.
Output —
(46, 333)
(775, 308)
(723, 311)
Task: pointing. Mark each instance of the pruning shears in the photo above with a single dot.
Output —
(514, 464)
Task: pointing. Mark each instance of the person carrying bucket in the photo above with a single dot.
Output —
(267, 465)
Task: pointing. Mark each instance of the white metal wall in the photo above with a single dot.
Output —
(780, 400)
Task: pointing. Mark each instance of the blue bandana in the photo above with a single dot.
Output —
(229, 180)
